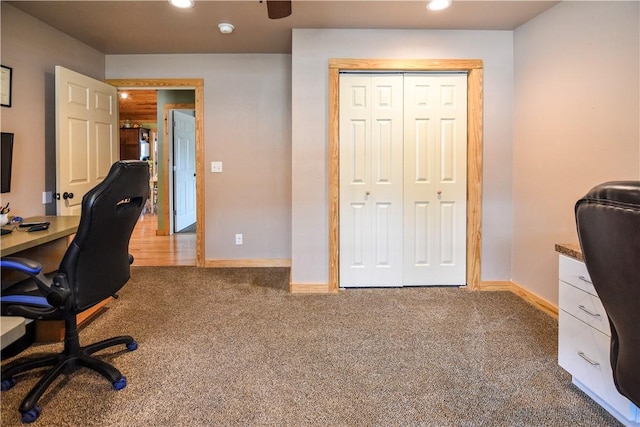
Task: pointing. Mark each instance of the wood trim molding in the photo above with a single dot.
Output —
(248, 263)
(309, 288)
(155, 83)
(498, 285)
(474, 68)
(535, 300)
(198, 86)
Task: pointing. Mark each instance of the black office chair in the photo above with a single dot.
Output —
(95, 266)
(608, 221)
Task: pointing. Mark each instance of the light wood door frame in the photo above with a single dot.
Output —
(474, 69)
(198, 86)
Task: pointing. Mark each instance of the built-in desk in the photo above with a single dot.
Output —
(584, 337)
(47, 247)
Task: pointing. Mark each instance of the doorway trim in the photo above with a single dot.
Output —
(474, 69)
(198, 86)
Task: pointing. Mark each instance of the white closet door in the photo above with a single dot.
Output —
(435, 169)
(371, 180)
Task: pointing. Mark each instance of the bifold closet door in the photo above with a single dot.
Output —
(371, 175)
(435, 185)
(403, 148)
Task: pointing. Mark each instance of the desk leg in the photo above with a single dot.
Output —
(53, 330)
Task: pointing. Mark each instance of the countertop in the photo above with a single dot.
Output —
(571, 250)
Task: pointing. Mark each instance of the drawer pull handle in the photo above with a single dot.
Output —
(590, 313)
(584, 279)
(591, 362)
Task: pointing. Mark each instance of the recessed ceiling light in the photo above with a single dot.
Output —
(183, 4)
(226, 28)
(438, 4)
(124, 95)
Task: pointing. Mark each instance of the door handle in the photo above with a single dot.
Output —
(66, 195)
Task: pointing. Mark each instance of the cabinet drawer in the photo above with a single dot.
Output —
(584, 306)
(584, 352)
(575, 273)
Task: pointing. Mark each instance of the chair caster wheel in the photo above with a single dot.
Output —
(32, 415)
(8, 384)
(120, 384)
(132, 346)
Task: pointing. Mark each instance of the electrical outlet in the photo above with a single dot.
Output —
(238, 239)
(216, 167)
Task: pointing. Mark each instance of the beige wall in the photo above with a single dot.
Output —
(33, 49)
(311, 51)
(247, 126)
(576, 124)
(561, 114)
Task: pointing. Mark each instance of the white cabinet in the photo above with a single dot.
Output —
(584, 339)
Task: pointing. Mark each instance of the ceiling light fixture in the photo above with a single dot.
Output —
(183, 4)
(438, 4)
(226, 28)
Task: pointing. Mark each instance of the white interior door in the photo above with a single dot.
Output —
(403, 151)
(435, 186)
(87, 141)
(184, 183)
(371, 180)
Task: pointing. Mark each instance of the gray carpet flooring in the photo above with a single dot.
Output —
(231, 347)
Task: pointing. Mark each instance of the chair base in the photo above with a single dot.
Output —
(70, 359)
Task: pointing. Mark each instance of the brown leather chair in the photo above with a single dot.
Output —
(608, 221)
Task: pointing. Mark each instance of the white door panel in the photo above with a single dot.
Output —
(371, 181)
(435, 176)
(184, 137)
(86, 136)
(402, 180)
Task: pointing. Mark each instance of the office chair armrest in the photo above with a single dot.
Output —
(25, 265)
(56, 291)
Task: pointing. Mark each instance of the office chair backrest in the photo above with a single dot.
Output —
(608, 221)
(97, 261)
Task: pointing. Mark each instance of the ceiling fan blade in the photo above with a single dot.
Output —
(277, 9)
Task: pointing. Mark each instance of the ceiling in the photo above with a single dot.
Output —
(154, 26)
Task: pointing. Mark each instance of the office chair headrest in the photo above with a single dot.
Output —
(615, 193)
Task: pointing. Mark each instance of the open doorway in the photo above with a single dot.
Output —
(138, 123)
(170, 93)
(149, 131)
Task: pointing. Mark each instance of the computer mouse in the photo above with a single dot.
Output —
(39, 227)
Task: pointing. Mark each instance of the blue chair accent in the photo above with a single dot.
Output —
(25, 300)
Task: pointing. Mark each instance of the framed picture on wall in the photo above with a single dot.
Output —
(5, 86)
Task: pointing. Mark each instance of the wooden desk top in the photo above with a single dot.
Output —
(18, 240)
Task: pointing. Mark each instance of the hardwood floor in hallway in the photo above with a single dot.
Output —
(151, 250)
